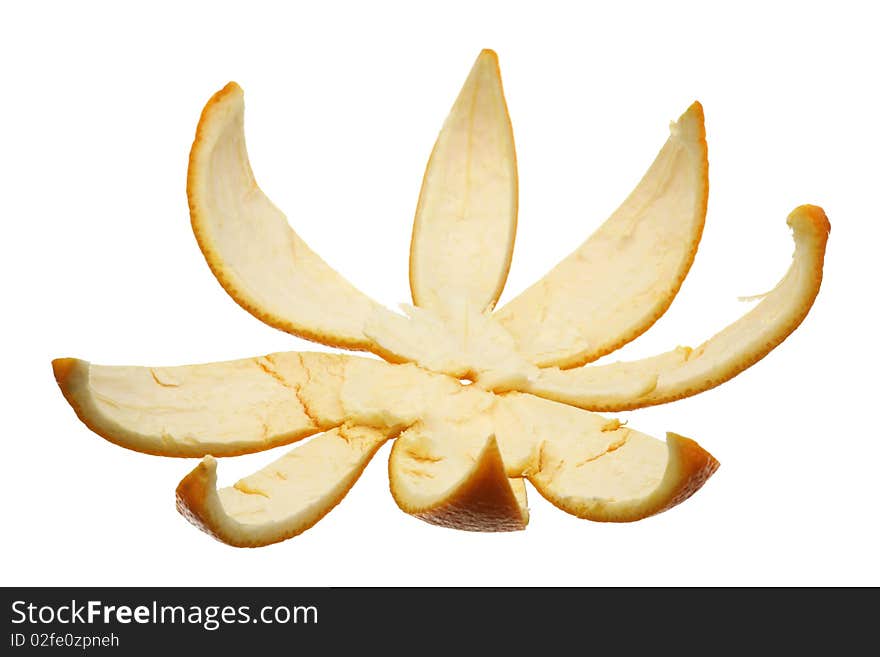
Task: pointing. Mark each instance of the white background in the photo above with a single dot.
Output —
(99, 107)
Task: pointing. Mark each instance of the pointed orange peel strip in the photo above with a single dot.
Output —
(620, 281)
(465, 222)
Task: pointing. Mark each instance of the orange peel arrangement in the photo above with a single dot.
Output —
(476, 400)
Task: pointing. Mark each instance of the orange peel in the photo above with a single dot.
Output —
(462, 453)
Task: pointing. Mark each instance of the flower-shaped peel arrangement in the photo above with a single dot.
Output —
(477, 400)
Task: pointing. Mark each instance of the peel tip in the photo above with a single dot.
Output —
(229, 97)
(230, 90)
(486, 68)
(691, 125)
(199, 478)
(192, 491)
(692, 453)
(810, 218)
(63, 368)
(696, 110)
(489, 56)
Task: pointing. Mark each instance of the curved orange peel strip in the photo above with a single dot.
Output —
(640, 478)
(286, 497)
(624, 277)
(684, 372)
(252, 250)
(225, 409)
(465, 223)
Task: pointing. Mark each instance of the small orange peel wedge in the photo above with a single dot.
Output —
(457, 482)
